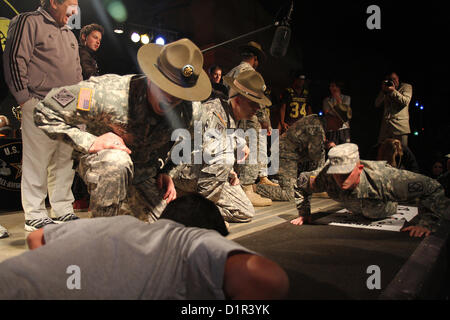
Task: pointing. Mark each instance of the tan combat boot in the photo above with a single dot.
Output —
(265, 180)
(256, 199)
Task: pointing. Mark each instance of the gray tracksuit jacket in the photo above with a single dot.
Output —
(39, 56)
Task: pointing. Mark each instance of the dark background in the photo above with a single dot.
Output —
(329, 40)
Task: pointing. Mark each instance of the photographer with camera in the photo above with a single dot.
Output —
(395, 97)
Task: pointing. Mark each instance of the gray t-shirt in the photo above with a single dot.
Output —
(120, 258)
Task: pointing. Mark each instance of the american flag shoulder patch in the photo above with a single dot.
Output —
(85, 99)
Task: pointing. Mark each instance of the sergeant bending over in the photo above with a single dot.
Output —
(128, 122)
(176, 257)
(373, 189)
(216, 179)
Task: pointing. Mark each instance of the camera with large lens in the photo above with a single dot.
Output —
(388, 83)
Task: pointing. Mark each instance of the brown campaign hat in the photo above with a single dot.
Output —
(176, 68)
(255, 48)
(251, 85)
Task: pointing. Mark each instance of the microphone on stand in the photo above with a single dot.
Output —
(282, 36)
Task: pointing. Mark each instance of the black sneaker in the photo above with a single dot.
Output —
(65, 218)
(3, 232)
(33, 225)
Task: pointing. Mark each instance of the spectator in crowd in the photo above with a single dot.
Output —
(398, 156)
(295, 103)
(444, 179)
(437, 169)
(41, 54)
(90, 40)
(337, 114)
(181, 256)
(395, 97)
(219, 90)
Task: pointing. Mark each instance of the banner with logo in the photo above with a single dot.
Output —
(10, 164)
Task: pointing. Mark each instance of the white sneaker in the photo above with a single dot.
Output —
(65, 218)
(3, 232)
(33, 225)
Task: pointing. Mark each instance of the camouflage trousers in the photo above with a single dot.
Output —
(248, 173)
(213, 184)
(287, 189)
(287, 180)
(108, 175)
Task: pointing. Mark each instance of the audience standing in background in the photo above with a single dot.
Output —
(41, 54)
(338, 113)
(295, 103)
(90, 40)
(437, 169)
(444, 179)
(218, 88)
(395, 97)
(398, 156)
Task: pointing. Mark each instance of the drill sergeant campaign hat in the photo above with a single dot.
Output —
(255, 48)
(176, 68)
(251, 85)
(343, 158)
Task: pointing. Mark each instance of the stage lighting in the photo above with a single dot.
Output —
(160, 40)
(117, 10)
(145, 39)
(416, 133)
(417, 103)
(135, 37)
(421, 108)
(118, 30)
(320, 113)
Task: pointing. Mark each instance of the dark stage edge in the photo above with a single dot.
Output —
(330, 262)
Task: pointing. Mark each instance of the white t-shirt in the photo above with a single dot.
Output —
(120, 258)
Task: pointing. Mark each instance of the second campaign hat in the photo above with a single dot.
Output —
(255, 48)
(176, 68)
(251, 85)
(343, 158)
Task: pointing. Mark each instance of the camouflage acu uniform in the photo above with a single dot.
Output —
(248, 173)
(211, 179)
(301, 149)
(380, 188)
(115, 104)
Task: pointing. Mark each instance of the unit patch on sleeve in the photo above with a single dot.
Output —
(85, 99)
(64, 97)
